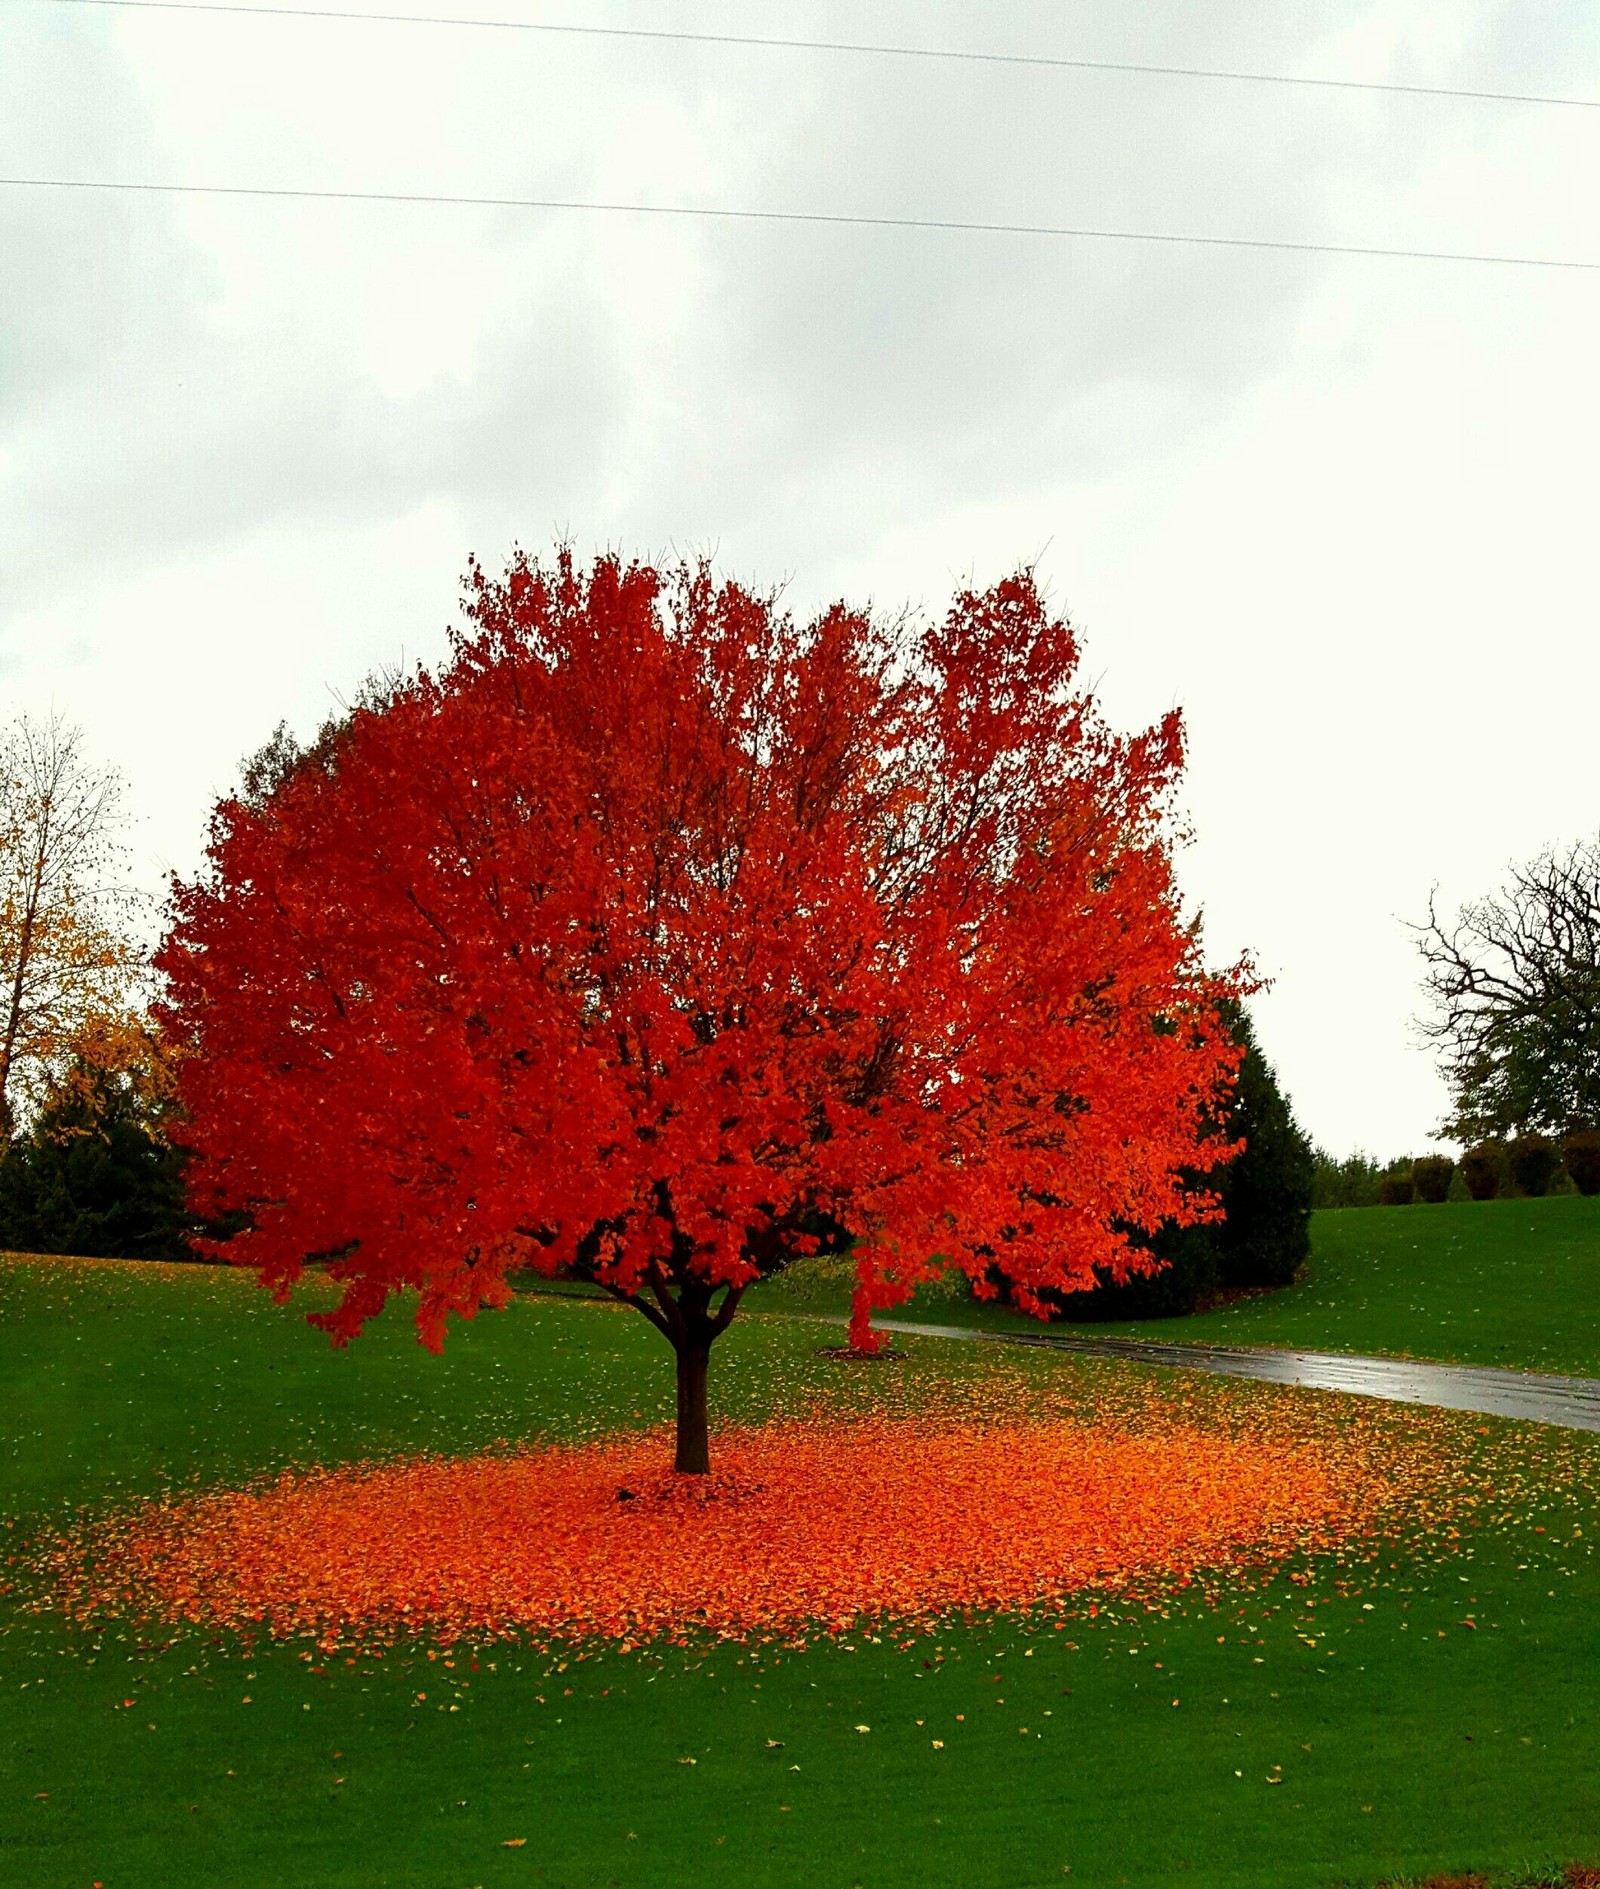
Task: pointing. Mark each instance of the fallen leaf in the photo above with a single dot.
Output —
(670, 1556)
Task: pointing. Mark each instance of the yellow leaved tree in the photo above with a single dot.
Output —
(69, 968)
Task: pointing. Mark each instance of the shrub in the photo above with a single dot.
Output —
(1357, 1181)
(1581, 1154)
(1483, 1170)
(1352, 1182)
(1533, 1161)
(1396, 1190)
(1431, 1176)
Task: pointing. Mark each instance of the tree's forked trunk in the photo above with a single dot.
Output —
(688, 1324)
(694, 1444)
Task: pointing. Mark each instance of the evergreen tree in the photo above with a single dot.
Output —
(93, 1175)
(1191, 1276)
(1265, 1190)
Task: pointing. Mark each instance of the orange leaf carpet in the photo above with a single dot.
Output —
(805, 1525)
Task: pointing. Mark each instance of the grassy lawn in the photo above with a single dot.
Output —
(1406, 1741)
(1510, 1282)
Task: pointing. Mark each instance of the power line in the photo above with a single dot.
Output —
(947, 53)
(834, 219)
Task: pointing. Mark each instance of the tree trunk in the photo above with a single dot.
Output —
(694, 1449)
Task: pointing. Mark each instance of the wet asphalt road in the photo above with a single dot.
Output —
(1572, 1402)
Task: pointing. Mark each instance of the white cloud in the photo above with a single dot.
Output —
(1338, 509)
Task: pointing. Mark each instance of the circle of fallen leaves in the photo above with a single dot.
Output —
(1004, 1497)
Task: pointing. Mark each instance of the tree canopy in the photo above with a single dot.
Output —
(1514, 984)
(65, 957)
(94, 1173)
(661, 936)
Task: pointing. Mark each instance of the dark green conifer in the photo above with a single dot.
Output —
(93, 1175)
(1264, 1238)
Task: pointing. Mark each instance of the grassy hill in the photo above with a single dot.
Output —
(1405, 1739)
(1508, 1282)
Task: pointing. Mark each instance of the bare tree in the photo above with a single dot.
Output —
(1515, 989)
(65, 957)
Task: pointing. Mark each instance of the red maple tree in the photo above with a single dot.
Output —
(658, 936)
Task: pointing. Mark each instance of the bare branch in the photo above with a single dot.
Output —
(639, 1305)
(1514, 987)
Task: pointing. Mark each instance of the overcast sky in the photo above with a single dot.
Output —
(1342, 510)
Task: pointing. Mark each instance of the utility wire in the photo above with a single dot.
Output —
(831, 218)
(948, 53)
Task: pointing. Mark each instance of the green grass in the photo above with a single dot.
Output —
(1509, 1282)
(1431, 1746)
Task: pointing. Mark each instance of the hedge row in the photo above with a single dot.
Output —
(1526, 1166)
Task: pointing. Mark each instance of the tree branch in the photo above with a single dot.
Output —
(725, 1311)
(642, 1306)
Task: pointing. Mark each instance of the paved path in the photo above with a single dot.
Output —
(1573, 1402)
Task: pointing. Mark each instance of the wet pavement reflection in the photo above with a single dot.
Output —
(1534, 1396)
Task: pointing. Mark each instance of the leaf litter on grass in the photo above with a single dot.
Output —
(994, 1494)
(1571, 1876)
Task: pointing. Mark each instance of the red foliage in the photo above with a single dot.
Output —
(660, 934)
(805, 1526)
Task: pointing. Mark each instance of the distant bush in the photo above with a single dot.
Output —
(1483, 1169)
(1532, 1160)
(1580, 1153)
(1359, 1180)
(1431, 1176)
(1396, 1190)
(1352, 1182)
